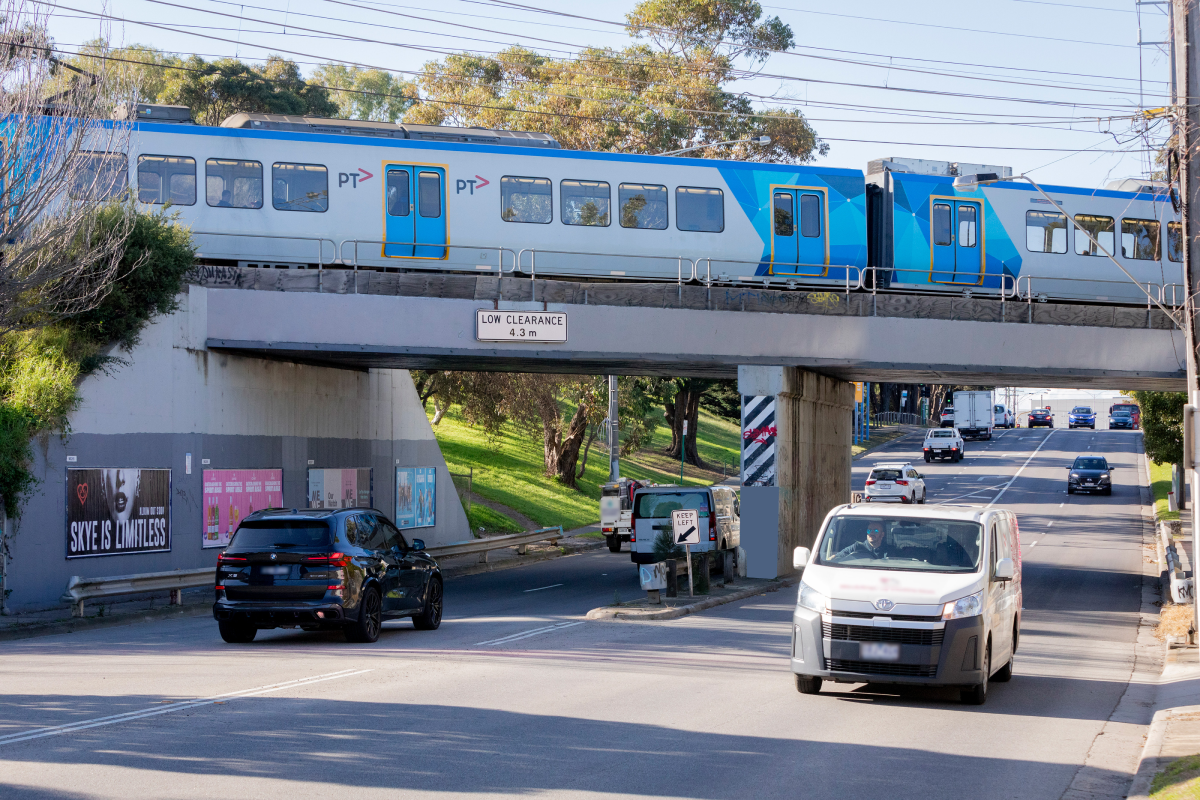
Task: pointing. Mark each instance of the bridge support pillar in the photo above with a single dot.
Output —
(796, 430)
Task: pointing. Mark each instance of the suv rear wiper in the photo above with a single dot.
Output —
(283, 544)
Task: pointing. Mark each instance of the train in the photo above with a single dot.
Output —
(352, 194)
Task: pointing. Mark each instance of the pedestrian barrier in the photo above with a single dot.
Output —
(1176, 586)
(80, 590)
(484, 546)
(895, 418)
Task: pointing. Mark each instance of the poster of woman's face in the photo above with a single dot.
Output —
(120, 492)
(118, 510)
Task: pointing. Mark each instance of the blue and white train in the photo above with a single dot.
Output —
(403, 197)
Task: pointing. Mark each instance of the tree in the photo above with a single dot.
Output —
(681, 401)
(1162, 425)
(214, 90)
(369, 94)
(664, 92)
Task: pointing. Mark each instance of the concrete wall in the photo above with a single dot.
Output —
(172, 397)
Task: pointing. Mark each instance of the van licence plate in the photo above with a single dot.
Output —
(879, 651)
(276, 570)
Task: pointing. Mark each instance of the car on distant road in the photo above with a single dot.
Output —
(927, 595)
(1120, 419)
(947, 417)
(944, 443)
(1081, 417)
(320, 569)
(898, 482)
(1040, 417)
(1004, 417)
(1134, 410)
(1089, 474)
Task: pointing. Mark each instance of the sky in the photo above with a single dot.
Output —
(1047, 88)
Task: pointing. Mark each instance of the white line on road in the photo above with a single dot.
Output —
(551, 586)
(1051, 523)
(526, 634)
(1063, 503)
(182, 705)
(1022, 469)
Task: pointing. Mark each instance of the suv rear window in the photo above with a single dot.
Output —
(281, 533)
(942, 434)
(659, 505)
(885, 474)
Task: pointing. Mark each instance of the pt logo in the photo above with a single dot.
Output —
(471, 185)
(354, 178)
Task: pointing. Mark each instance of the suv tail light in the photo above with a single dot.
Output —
(902, 483)
(870, 483)
(330, 559)
(223, 559)
(712, 528)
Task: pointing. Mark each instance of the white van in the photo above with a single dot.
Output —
(717, 506)
(922, 595)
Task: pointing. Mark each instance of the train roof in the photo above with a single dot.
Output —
(391, 130)
(1025, 187)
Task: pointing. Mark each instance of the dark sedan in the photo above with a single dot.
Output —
(1089, 474)
(346, 569)
(1120, 419)
(1041, 417)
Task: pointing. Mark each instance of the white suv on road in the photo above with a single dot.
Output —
(944, 443)
(1004, 417)
(898, 482)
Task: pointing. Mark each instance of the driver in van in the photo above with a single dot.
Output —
(875, 545)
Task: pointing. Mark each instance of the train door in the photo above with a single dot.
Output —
(799, 238)
(414, 211)
(957, 255)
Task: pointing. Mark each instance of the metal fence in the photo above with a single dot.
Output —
(896, 418)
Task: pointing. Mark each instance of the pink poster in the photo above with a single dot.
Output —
(231, 495)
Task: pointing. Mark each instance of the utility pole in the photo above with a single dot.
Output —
(614, 443)
(1185, 83)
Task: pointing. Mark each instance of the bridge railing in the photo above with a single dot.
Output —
(527, 262)
(871, 280)
(896, 418)
(704, 274)
(457, 258)
(319, 241)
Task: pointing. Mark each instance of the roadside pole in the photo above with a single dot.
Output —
(683, 455)
(614, 442)
(1185, 83)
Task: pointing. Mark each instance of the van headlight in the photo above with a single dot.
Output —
(969, 606)
(811, 599)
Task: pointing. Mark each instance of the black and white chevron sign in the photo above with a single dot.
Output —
(758, 440)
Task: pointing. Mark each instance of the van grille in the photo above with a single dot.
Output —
(876, 668)
(874, 614)
(863, 633)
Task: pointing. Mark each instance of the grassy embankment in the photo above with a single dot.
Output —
(509, 471)
(1160, 485)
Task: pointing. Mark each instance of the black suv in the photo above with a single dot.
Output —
(322, 569)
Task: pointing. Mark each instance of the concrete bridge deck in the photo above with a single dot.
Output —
(421, 320)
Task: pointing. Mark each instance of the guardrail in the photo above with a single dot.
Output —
(80, 590)
(782, 281)
(484, 546)
(320, 241)
(1177, 587)
(440, 263)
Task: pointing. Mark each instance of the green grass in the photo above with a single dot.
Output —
(1179, 781)
(879, 436)
(491, 521)
(509, 470)
(1160, 485)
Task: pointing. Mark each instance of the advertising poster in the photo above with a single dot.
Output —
(231, 495)
(339, 488)
(116, 511)
(416, 497)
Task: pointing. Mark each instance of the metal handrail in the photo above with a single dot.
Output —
(1028, 279)
(320, 240)
(1175, 290)
(425, 260)
(80, 589)
(533, 251)
(785, 280)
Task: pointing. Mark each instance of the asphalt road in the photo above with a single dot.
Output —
(517, 695)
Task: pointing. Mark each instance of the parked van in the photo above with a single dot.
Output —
(924, 595)
(720, 526)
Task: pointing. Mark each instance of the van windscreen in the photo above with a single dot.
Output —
(659, 505)
(913, 544)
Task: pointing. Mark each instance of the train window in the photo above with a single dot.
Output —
(233, 184)
(399, 200)
(585, 203)
(810, 216)
(1175, 241)
(1045, 232)
(299, 187)
(942, 229)
(1103, 229)
(1140, 239)
(785, 215)
(99, 176)
(643, 206)
(167, 179)
(526, 200)
(966, 225)
(429, 194)
(699, 209)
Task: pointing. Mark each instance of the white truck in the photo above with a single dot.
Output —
(616, 510)
(974, 414)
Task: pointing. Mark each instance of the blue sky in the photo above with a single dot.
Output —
(1043, 86)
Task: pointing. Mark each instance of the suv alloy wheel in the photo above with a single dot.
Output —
(370, 619)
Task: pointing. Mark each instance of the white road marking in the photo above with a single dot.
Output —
(1033, 544)
(1051, 524)
(182, 705)
(551, 586)
(1022, 469)
(1063, 503)
(526, 634)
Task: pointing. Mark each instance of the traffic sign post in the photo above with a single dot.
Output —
(685, 525)
(682, 452)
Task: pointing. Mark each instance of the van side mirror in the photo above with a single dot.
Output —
(1004, 570)
(418, 544)
(800, 557)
